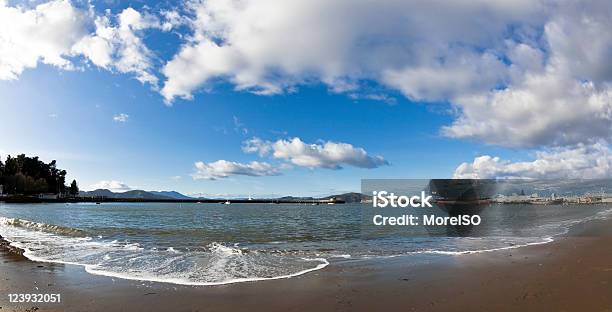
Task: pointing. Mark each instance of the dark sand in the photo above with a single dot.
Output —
(574, 273)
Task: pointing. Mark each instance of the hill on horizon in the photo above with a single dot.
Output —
(139, 194)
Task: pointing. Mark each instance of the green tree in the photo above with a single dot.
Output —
(74, 188)
(29, 175)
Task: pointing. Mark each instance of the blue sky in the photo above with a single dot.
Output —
(68, 116)
(423, 100)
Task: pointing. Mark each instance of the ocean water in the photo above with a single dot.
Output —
(214, 244)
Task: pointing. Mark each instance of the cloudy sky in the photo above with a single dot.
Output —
(270, 97)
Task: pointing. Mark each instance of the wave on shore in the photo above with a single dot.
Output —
(213, 264)
(218, 263)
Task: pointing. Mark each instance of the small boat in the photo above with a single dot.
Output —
(227, 202)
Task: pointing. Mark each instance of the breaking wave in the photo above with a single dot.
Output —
(38, 226)
(213, 264)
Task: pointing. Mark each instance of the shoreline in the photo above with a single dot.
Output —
(36, 200)
(573, 272)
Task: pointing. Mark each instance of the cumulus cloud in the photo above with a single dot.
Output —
(44, 34)
(112, 185)
(582, 161)
(519, 73)
(257, 145)
(172, 20)
(121, 117)
(56, 31)
(330, 155)
(119, 46)
(558, 90)
(560, 98)
(224, 169)
(271, 46)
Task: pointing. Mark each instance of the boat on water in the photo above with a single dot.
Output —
(462, 191)
(227, 202)
(462, 196)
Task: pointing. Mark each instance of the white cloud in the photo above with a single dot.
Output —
(562, 98)
(581, 161)
(172, 20)
(559, 90)
(257, 145)
(270, 46)
(56, 31)
(330, 155)
(224, 169)
(112, 185)
(121, 117)
(120, 46)
(519, 73)
(542, 110)
(44, 34)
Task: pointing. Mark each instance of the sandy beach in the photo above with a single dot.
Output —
(573, 273)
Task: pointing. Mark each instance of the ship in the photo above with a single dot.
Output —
(461, 191)
(460, 197)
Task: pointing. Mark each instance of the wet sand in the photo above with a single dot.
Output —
(573, 273)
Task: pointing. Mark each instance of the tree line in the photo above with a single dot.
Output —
(24, 175)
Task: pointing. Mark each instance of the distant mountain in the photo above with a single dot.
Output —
(139, 194)
(97, 193)
(350, 197)
(171, 194)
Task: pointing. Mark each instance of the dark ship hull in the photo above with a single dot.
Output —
(459, 197)
(461, 191)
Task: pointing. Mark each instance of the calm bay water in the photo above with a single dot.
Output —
(209, 244)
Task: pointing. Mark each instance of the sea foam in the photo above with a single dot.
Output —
(214, 264)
